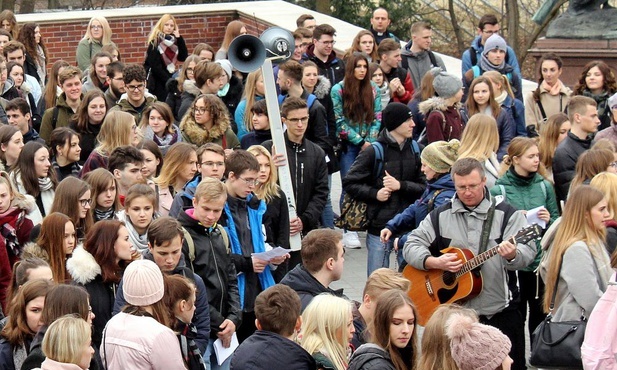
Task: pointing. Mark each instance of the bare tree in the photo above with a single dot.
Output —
(460, 43)
(513, 20)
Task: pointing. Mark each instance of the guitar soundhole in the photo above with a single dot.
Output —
(449, 278)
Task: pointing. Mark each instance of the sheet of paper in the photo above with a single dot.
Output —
(532, 217)
(270, 254)
(223, 353)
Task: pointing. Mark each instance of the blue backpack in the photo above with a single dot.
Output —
(378, 164)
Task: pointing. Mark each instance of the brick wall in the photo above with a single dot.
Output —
(130, 34)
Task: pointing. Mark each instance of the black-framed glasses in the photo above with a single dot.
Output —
(85, 202)
(200, 110)
(135, 87)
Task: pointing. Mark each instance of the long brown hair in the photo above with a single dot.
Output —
(51, 240)
(65, 299)
(355, 46)
(26, 37)
(549, 134)
(472, 106)
(177, 289)
(66, 201)
(25, 168)
(16, 331)
(51, 88)
(358, 96)
(589, 164)
(546, 57)
(610, 85)
(99, 181)
(81, 118)
(100, 243)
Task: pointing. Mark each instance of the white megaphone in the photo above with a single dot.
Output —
(247, 53)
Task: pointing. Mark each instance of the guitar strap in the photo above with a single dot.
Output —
(486, 232)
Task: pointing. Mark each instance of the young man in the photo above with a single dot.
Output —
(243, 219)
(308, 169)
(402, 88)
(273, 346)
(115, 80)
(583, 116)
(322, 263)
(18, 114)
(417, 56)
(322, 53)
(165, 238)
(67, 103)
(306, 21)
(210, 258)
(487, 26)
(307, 37)
(211, 163)
(136, 100)
(15, 51)
(125, 163)
(379, 26)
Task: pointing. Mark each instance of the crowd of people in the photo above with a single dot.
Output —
(141, 214)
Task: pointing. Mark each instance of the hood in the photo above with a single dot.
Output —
(82, 266)
(34, 250)
(310, 53)
(476, 44)
(8, 84)
(406, 52)
(300, 280)
(147, 255)
(27, 203)
(433, 103)
(368, 352)
(171, 84)
(190, 88)
(322, 89)
(200, 136)
(445, 182)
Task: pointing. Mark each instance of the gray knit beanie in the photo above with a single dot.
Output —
(446, 85)
(495, 42)
(612, 101)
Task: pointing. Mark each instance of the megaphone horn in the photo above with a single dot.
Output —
(246, 53)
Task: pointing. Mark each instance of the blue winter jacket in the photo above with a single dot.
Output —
(516, 109)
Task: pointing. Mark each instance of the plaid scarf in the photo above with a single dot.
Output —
(169, 51)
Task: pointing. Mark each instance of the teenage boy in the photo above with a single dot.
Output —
(417, 55)
(165, 237)
(306, 21)
(273, 345)
(243, 219)
(66, 104)
(402, 88)
(125, 163)
(18, 114)
(115, 80)
(209, 256)
(211, 163)
(135, 101)
(322, 53)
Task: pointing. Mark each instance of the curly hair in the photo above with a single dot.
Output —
(26, 37)
(610, 85)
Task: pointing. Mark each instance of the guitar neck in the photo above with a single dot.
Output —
(479, 260)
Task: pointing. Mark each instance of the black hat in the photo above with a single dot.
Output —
(394, 115)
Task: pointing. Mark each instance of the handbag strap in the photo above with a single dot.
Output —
(552, 305)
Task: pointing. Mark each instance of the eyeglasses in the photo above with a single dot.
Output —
(85, 202)
(295, 121)
(613, 164)
(118, 78)
(491, 32)
(332, 42)
(212, 164)
(250, 182)
(200, 110)
(134, 127)
(96, 27)
(136, 87)
(465, 189)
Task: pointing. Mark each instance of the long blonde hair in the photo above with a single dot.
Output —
(250, 91)
(499, 79)
(107, 33)
(158, 28)
(324, 328)
(575, 226)
(176, 158)
(270, 189)
(116, 131)
(480, 138)
(607, 183)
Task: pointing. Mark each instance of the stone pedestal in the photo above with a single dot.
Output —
(575, 54)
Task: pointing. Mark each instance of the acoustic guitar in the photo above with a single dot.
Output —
(431, 288)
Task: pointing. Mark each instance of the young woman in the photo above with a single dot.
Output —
(505, 98)
(175, 86)
(327, 328)
(136, 337)
(254, 90)
(180, 300)
(553, 132)
(393, 342)
(88, 121)
(98, 34)
(480, 141)
(165, 48)
(97, 78)
(425, 92)
(25, 270)
(481, 99)
(98, 266)
(140, 207)
(610, 133)
(364, 42)
(153, 160)
(277, 216)
(261, 126)
(377, 76)
(65, 151)
(62, 299)
(67, 345)
(591, 163)
(104, 194)
(577, 260)
(118, 129)
(179, 168)
(16, 73)
(233, 30)
(597, 81)
(157, 124)
(8, 22)
(523, 186)
(208, 121)
(549, 98)
(54, 244)
(204, 52)
(52, 89)
(442, 112)
(36, 53)
(11, 144)
(24, 321)
(74, 199)
(607, 183)
(33, 175)
(112, 50)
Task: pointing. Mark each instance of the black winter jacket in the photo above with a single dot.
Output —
(174, 97)
(370, 357)
(157, 70)
(309, 176)
(276, 223)
(322, 92)
(333, 69)
(564, 163)
(265, 350)
(232, 98)
(214, 265)
(307, 287)
(403, 164)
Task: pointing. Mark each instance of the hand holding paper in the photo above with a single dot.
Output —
(538, 215)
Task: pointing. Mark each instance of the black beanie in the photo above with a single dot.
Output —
(394, 115)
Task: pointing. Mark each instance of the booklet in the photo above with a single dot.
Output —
(223, 353)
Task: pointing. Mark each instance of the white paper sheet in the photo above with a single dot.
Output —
(223, 353)
(270, 254)
(532, 217)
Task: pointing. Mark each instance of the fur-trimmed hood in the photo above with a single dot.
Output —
(322, 88)
(27, 203)
(196, 134)
(434, 103)
(189, 87)
(34, 250)
(82, 266)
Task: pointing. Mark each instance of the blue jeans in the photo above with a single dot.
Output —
(379, 253)
(210, 358)
(327, 216)
(347, 159)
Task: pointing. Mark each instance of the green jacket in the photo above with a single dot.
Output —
(525, 194)
(64, 117)
(125, 106)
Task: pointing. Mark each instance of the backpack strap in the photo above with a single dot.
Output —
(473, 55)
(224, 236)
(431, 56)
(310, 100)
(415, 148)
(191, 244)
(542, 112)
(378, 162)
(476, 71)
(54, 119)
(431, 202)
(439, 243)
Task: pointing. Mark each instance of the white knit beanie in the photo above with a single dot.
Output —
(143, 283)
